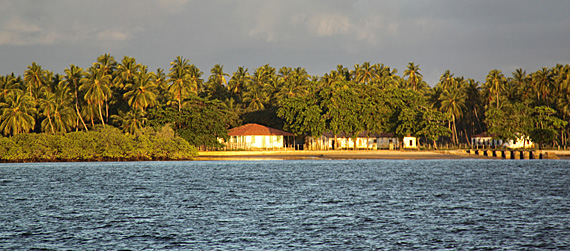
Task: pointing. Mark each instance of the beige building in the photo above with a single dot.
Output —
(486, 140)
(410, 142)
(255, 136)
(372, 141)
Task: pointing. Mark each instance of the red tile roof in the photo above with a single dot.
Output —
(256, 129)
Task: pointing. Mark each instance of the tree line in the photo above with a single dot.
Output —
(368, 97)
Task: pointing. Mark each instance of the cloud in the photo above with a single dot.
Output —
(467, 36)
(113, 35)
(329, 24)
(16, 31)
(73, 22)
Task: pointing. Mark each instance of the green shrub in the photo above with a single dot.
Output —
(103, 143)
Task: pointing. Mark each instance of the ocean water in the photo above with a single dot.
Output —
(286, 205)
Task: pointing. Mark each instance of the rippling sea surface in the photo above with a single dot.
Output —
(286, 205)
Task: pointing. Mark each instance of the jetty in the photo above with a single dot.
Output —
(511, 154)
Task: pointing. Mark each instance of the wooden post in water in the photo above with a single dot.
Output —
(526, 155)
(517, 154)
(508, 154)
(500, 154)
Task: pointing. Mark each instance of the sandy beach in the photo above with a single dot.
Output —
(344, 154)
(347, 154)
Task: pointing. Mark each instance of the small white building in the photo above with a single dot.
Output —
(485, 140)
(522, 142)
(364, 140)
(489, 140)
(410, 142)
(255, 136)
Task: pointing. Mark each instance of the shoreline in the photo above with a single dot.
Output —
(348, 155)
(332, 155)
(310, 155)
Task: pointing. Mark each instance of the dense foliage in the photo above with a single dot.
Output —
(369, 98)
(99, 144)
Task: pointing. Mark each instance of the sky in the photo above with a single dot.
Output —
(467, 37)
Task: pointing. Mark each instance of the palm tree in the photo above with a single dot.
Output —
(562, 77)
(335, 76)
(35, 78)
(264, 85)
(239, 80)
(495, 84)
(388, 77)
(300, 79)
(8, 84)
(196, 80)
(272, 86)
(563, 104)
(96, 84)
(473, 103)
(131, 121)
(90, 112)
(142, 93)
(106, 64)
(293, 82)
(285, 74)
(447, 81)
(542, 81)
(73, 76)
(342, 73)
(181, 80)
(255, 98)
(520, 84)
(126, 72)
(161, 86)
(414, 75)
(218, 75)
(47, 105)
(453, 103)
(365, 73)
(217, 83)
(17, 113)
(64, 117)
(56, 106)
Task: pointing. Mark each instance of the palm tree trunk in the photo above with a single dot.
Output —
(179, 101)
(454, 129)
(179, 105)
(106, 109)
(100, 113)
(335, 146)
(497, 99)
(79, 116)
(467, 136)
(50, 124)
(354, 144)
(77, 109)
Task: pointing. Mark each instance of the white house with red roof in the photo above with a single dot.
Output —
(255, 136)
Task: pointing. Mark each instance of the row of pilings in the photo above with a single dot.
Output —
(514, 154)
